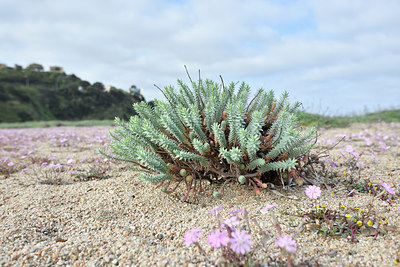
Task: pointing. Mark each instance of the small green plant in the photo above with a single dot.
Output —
(213, 132)
(379, 191)
(51, 174)
(344, 222)
(92, 174)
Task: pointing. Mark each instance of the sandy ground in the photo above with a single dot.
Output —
(61, 203)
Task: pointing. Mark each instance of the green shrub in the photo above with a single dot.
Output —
(213, 132)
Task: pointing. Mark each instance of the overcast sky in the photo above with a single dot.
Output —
(336, 57)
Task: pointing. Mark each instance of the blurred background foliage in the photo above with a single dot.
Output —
(32, 94)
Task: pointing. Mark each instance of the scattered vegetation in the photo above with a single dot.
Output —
(43, 124)
(94, 173)
(344, 121)
(344, 222)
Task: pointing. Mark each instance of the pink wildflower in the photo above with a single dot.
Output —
(240, 241)
(360, 165)
(349, 149)
(192, 236)
(10, 164)
(355, 154)
(238, 211)
(388, 188)
(374, 158)
(57, 166)
(231, 222)
(268, 207)
(218, 238)
(287, 243)
(216, 209)
(383, 146)
(313, 191)
(367, 141)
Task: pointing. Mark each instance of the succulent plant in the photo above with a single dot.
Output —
(210, 131)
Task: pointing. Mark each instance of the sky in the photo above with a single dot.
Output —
(336, 57)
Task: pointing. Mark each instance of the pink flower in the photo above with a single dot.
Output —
(383, 146)
(216, 209)
(240, 242)
(355, 154)
(57, 166)
(238, 211)
(269, 206)
(218, 238)
(374, 158)
(231, 222)
(287, 243)
(10, 164)
(349, 149)
(367, 141)
(192, 236)
(388, 188)
(313, 191)
(360, 165)
(43, 164)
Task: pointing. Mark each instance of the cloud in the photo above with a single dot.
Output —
(309, 47)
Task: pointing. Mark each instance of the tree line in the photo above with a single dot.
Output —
(32, 94)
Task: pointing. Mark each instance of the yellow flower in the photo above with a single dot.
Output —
(347, 215)
(369, 223)
(396, 262)
(343, 207)
(355, 220)
(380, 222)
(359, 223)
(369, 191)
(369, 184)
(323, 206)
(345, 173)
(317, 206)
(356, 208)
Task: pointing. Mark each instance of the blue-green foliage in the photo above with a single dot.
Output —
(210, 128)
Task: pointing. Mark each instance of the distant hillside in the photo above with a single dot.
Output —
(32, 94)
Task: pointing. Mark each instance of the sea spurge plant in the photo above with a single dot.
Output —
(209, 131)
